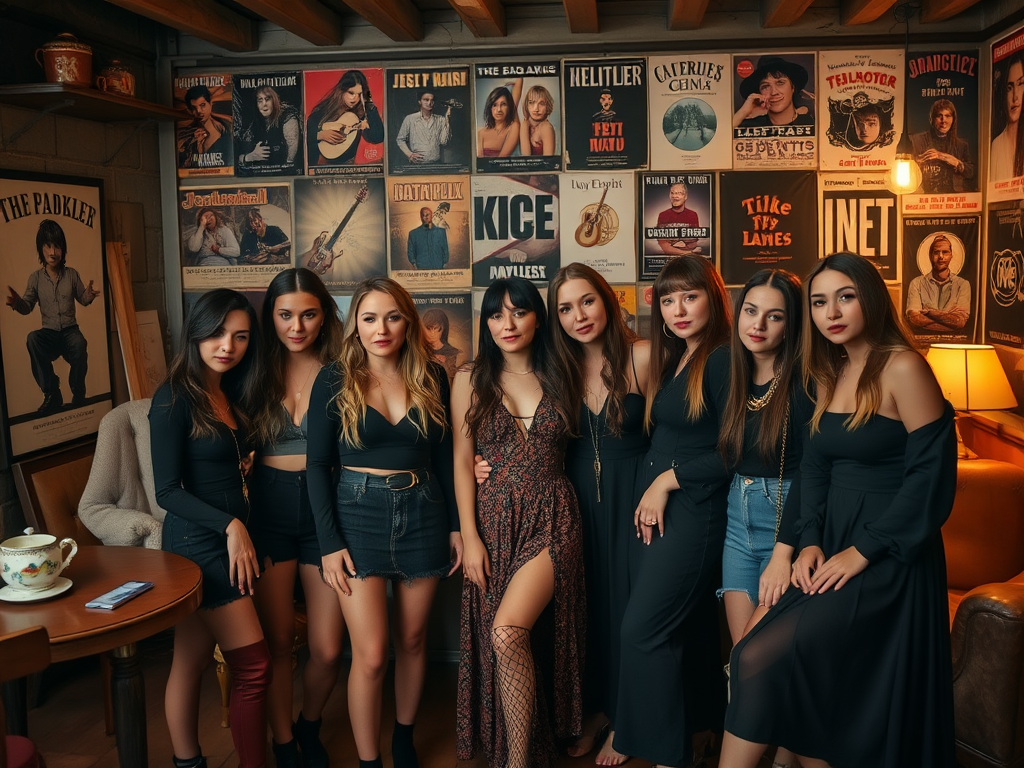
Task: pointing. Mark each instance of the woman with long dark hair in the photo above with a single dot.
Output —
(379, 462)
(522, 538)
(301, 334)
(671, 685)
(273, 139)
(1006, 160)
(500, 135)
(341, 120)
(853, 667)
(199, 438)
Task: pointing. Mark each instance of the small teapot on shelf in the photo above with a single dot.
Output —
(65, 60)
(116, 77)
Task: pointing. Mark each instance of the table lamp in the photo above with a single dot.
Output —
(972, 379)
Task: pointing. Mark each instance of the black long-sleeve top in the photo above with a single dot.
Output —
(385, 446)
(198, 480)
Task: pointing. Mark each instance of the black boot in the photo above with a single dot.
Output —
(376, 763)
(286, 755)
(51, 401)
(307, 734)
(402, 750)
(192, 762)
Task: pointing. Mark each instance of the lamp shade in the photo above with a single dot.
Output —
(971, 377)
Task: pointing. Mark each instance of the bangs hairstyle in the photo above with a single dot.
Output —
(187, 375)
(741, 370)
(686, 273)
(883, 330)
(618, 341)
(50, 233)
(275, 101)
(485, 379)
(413, 366)
(268, 416)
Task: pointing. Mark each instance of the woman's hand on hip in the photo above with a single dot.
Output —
(336, 568)
(243, 567)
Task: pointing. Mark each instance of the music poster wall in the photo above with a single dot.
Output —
(344, 121)
(600, 223)
(858, 214)
(518, 117)
(860, 108)
(625, 294)
(429, 120)
(268, 120)
(515, 227)
(447, 319)
(773, 122)
(691, 110)
(340, 229)
(940, 277)
(234, 237)
(203, 143)
(774, 217)
(677, 212)
(1006, 162)
(1004, 283)
(942, 114)
(428, 224)
(605, 113)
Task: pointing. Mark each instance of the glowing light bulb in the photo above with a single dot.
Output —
(904, 176)
(903, 173)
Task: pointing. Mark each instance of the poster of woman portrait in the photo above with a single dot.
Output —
(447, 320)
(1006, 161)
(54, 339)
(267, 109)
(345, 121)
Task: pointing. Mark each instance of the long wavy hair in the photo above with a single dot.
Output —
(883, 329)
(485, 378)
(425, 404)
(1001, 116)
(686, 273)
(617, 343)
(187, 374)
(333, 104)
(492, 97)
(268, 416)
(275, 111)
(741, 370)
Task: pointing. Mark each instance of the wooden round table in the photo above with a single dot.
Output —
(77, 631)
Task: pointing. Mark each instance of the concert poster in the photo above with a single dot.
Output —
(1004, 283)
(678, 218)
(234, 237)
(942, 116)
(605, 114)
(626, 296)
(691, 109)
(940, 277)
(339, 228)
(645, 295)
(267, 116)
(773, 121)
(860, 108)
(515, 227)
(428, 224)
(344, 121)
(600, 223)
(518, 126)
(1006, 160)
(858, 214)
(203, 143)
(447, 319)
(773, 219)
(430, 115)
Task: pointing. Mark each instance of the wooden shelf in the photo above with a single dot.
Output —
(85, 103)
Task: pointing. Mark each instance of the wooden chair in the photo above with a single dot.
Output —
(23, 653)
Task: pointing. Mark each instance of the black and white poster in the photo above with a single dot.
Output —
(429, 121)
(858, 214)
(678, 218)
(267, 110)
(1004, 283)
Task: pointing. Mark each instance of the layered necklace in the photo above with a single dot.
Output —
(757, 403)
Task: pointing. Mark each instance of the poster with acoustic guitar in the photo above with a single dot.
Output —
(339, 229)
(599, 210)
(344, 121)
(428, 226)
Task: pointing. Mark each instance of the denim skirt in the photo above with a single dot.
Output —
(209, 550)
(749, 532)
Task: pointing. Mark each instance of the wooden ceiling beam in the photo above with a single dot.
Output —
(855, 12)
(485, 18)
(940, 10)
(686, 14)
(308, 19)
(398, 19)
(204, 19)
(581, 15)
(782, 13)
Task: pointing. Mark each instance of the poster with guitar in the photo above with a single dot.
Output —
(344, 121)
(599, 213)
(429, 118)
(267, 109)
(339, 229)
(428, 224)
(678, 218)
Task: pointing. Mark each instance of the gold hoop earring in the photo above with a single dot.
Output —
(667, 332)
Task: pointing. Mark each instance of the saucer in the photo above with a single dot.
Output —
(11, 595)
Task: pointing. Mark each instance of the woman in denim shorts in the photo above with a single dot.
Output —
(379, 458)
(762, 436)
(301, 333)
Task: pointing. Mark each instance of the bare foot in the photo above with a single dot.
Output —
(608, 755)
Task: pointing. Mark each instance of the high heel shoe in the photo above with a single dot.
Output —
(585, 744)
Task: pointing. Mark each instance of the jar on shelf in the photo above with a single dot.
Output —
(65, 60)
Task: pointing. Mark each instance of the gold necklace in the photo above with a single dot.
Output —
(309, 373)
(757, 403)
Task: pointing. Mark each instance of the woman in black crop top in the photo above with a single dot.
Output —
(200, 447)
(301, 333)
(379, 458)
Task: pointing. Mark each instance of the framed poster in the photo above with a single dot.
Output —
(600, 214)
(428, 119)
(54, 338)
(1006, 158)
(267, 115)
(678, 218)
(428, 228)
(858, 214)
(1004, 284)
(344, 123)
(204, 142)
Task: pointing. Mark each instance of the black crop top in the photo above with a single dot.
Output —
(385, 446)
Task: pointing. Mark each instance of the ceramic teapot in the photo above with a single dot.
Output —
(65, 60)
(34, 561)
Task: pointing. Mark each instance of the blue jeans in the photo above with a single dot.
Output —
(750, 532)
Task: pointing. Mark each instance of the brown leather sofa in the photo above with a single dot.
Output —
(984, 539)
